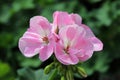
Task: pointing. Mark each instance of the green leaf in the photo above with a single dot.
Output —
(68, 6)
(101, 62)
(17, 5)
(4, 69)
(22, 4)
(40, 75)
(115, 11)
(7, 40)
(102, 14)
(26, 74)
(5, 13)
(33, 62)
(29, 74)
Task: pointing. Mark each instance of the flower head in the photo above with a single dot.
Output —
(69, 39)
(76, 40)
(37, 39)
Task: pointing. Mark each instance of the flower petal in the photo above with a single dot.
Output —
(76, 18)
(98, 45)
(89, 33)
(40, 25)
(29, 44)
(83, 49)
(62, 19)
(46, 51)
(70, 34)
(66, 59)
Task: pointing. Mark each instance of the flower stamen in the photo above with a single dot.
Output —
(45, 39)
(66, 49)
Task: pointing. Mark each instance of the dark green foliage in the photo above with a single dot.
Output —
(103, 17)
(28, 74)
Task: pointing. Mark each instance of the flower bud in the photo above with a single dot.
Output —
(82, 72)
(48, 68)
(62, 78)
(69, 75)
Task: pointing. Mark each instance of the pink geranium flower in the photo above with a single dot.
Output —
(76, 41)
(37, 39)
(69, 39)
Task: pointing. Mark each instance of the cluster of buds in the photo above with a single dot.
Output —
(66, 72)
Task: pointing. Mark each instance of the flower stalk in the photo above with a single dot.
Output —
(64, 71)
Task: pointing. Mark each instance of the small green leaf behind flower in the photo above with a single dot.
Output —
(29, 74)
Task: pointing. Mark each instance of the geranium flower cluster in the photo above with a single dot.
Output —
(67, 38)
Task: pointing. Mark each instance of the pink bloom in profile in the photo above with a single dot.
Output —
(37, 39)
(76, 40)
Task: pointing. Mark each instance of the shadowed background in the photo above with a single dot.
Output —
(102, 16)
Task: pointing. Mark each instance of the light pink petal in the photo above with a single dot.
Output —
(66, 59)
(29, 44)
(59, 52)
(85, 54)
(82, 54)
(98, 45)
(30, 34)
(70, 34)
(89, 32)
(63, 36)
(83, 49)
(40, 25)
(81, 42)
(62, 19)
(76, 18)
(46, 51)
(84, 58)
(74, 50)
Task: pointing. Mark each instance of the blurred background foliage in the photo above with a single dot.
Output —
(103, 17)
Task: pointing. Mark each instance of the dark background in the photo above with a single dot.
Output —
(103, 17)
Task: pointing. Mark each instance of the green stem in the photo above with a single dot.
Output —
(53, 75)
(69, 73)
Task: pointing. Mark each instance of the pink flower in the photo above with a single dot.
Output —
(37, 39)
(76, 41)
(69, 39)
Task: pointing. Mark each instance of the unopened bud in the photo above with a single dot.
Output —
(69, 75)
(48, 68)
(62, 78)
(82, 72)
